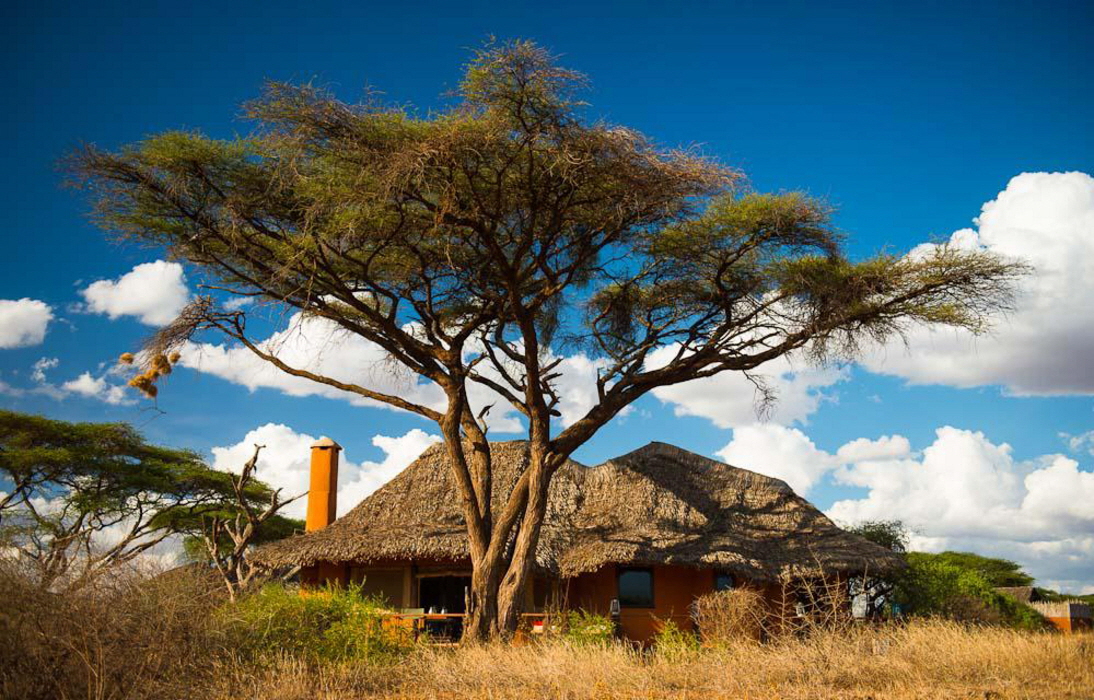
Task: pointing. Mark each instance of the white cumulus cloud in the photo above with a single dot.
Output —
(316, 345)
(778, 451)
(152, 292)
(320, 346)
(98, 388)
(86, 385)
(1044, 348)
(44, 364)
(1083, 442)
(285, 463)
(23, 322)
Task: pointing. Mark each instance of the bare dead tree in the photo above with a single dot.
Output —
(230, 533)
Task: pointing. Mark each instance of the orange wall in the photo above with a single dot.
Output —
(674, 589)
(324, 573)
(1071, 624)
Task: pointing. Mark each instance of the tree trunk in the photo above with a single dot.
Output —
(496, 599)
(481, 620)
(511, 591)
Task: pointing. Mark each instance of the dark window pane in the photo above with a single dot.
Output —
(723, 581)
(635, 588)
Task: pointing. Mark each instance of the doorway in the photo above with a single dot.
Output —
(444, 595)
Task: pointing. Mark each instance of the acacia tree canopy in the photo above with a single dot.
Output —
(996, 571)
(88, 496)
(890, 534)
(476, 243)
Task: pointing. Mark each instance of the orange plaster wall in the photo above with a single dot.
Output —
(1069, 624)
(1061, 623)
(674, 589)
(323, 573)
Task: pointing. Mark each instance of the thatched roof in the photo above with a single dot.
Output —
(1023, 594)
(657, 505)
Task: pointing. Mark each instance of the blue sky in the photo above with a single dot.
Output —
(909, 119)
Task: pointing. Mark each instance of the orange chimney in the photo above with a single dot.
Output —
(323, 492)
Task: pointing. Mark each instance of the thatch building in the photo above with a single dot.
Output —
(652, 530)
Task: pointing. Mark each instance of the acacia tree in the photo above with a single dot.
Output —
(472, 244)
(877, 590)
(86, 497)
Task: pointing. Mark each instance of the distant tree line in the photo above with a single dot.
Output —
(958, 585)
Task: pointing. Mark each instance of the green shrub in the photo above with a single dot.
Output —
(674, 642)
(588, 628)
(331, 624)
(933, 585)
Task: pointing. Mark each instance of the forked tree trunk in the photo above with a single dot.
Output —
(511, 592)
(498, 586)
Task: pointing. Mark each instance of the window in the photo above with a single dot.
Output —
(724, 581)
(636, 588)
(542, 597)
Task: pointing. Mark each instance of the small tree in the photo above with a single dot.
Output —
(877, 590)
(475, 244)
(90, 496)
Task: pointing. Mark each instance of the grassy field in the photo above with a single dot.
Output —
(923, 660)
(177, 637)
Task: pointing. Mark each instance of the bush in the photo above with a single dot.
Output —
(331, 624)
(935, 586)
(130, 634)
(674, 643)
(588, 628)
(730, 616)
(137, 634)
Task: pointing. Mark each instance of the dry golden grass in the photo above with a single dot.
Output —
(922, 660)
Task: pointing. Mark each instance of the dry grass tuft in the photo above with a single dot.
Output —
(738, 613)
(132, 634)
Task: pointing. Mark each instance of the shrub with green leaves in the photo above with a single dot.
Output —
(584, 627)
(936, 585)
(331, 624)
(673, 642)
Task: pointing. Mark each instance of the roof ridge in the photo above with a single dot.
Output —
(654, 446)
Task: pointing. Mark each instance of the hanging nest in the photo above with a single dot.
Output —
(160, 353)
(157, 366)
